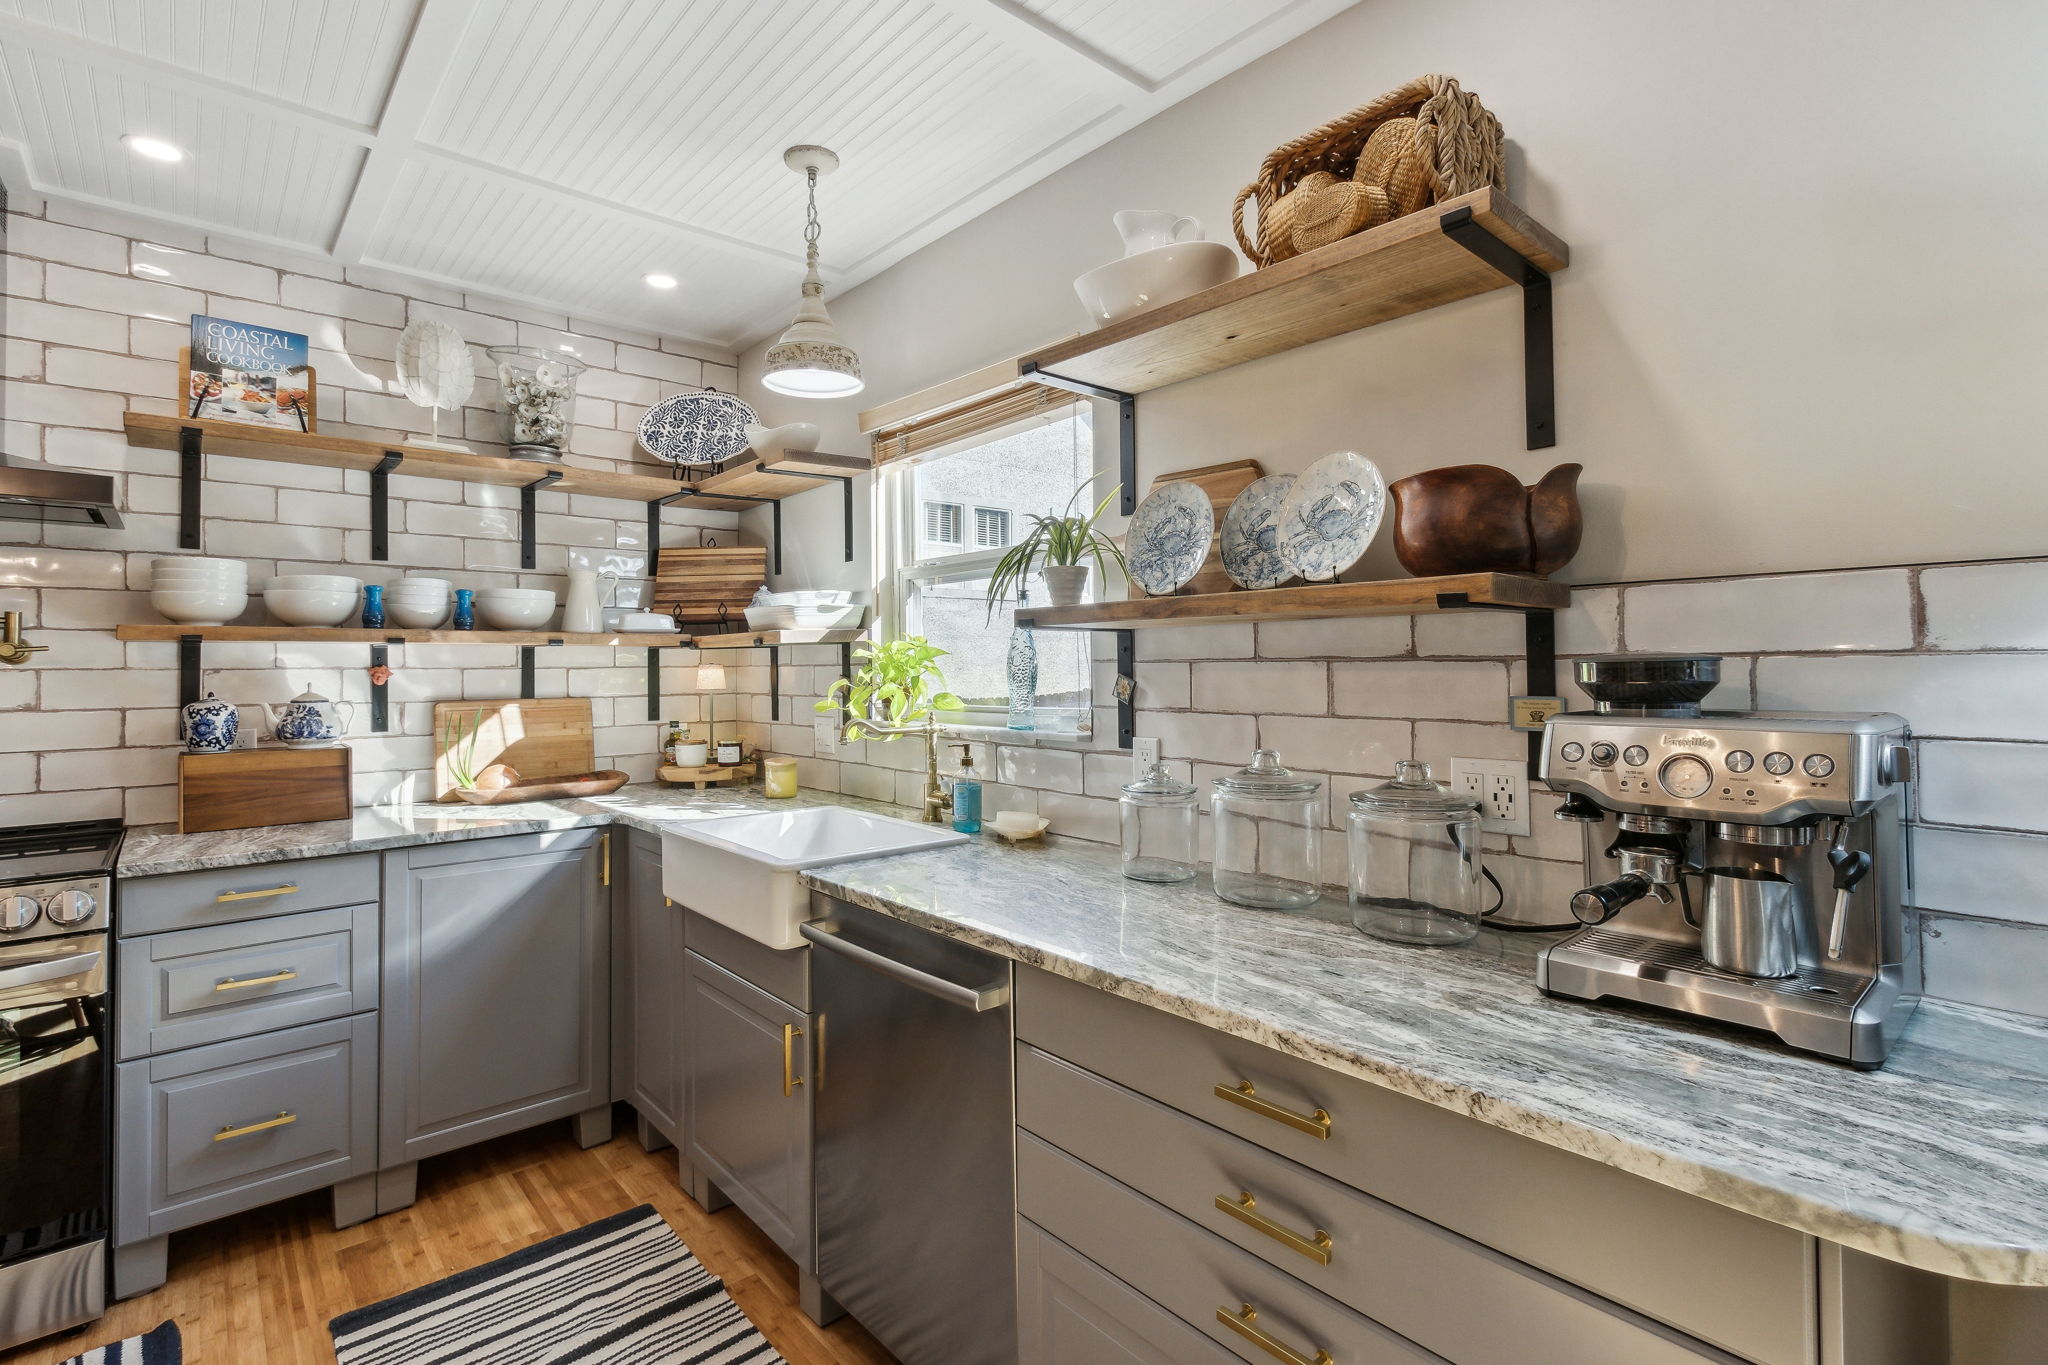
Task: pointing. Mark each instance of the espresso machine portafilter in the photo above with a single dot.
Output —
(1743, 866)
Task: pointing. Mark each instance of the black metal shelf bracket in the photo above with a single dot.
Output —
(526, 672)
(774, 681)
(380, 692)
(190, 482)
(1126, 425)
(1539, 654)
(1126, 688)
(527, 518)
(1539, 375)
(654, 682)
(380, 504)
(188, 672)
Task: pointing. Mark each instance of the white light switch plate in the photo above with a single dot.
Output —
(1501, 787)
(825, 735)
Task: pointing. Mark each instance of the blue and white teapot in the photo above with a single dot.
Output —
(210, 725)
(308, 721)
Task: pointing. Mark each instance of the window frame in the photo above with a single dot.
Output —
(898, 526)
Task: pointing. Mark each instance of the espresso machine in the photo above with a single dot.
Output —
(1743, 866)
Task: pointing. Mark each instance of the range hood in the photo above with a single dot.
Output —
(36, 492)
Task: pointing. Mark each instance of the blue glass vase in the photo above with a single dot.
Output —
(465, 609)
(1023, 673)
(373, 606)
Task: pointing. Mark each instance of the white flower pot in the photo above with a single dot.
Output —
(1066, 583)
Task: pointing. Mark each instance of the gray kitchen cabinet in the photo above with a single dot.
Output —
(650, 926)
(1070, 1311)
(748, 1097)
(496, 1004)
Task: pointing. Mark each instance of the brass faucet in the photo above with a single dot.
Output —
(13, 649)
(937, 805)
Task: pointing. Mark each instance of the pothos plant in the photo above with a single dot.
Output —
(1056, 542)
(898, 690)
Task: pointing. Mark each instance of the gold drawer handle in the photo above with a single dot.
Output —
(284, 1116)
(790, 1080)
(1316, 1124)
(224, 897)
(1241, 1322)
(1244, 1210)
(240, 983)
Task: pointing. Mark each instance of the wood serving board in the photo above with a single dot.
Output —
(700, 581)
(1222, 482)
(244, 788)
(545, 738)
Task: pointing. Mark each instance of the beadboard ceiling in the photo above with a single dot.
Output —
(556, 151)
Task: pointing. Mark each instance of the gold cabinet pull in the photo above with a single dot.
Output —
(818, 1066)
(790, 1080)
(604, 842)
(1244, 1209)
(1242, 1320)
(236, 983)
(1315, 1124)
(284, 1116)
(224, 897)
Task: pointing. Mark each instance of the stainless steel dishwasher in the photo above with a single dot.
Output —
(914, 1160)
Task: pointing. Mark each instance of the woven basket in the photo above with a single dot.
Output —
(1411, 147)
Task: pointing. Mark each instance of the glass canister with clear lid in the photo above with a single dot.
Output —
(1157, 813)
(1267, 835)
(1415, 860)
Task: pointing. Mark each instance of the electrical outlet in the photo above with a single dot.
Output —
(1500, 786)
(1144, 753)
(825, 735)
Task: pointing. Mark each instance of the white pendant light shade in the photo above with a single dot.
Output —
(809, 360)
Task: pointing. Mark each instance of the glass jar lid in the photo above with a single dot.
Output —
(1413, 792)
(1265, 777)
(1158, 787)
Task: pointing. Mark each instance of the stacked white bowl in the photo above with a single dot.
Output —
(195, 591)
(313, 599)
(515, 608)
(416, 603)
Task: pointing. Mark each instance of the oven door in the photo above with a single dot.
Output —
(53, 1094)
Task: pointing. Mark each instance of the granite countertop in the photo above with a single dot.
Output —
(1938, 1161)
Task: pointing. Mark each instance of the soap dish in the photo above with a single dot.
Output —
(1017, 834)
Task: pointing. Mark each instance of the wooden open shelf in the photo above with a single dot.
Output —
(752, 639)
(1393, 597)
(1407, 266)
(354, 635)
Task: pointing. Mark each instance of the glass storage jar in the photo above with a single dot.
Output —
(1415, 860)
(1158, 817)
(1268, 823)
(536, 400)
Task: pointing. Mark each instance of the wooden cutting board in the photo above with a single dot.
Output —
(546, 737)
(701, 581)
(244, 788)
(1222, 482)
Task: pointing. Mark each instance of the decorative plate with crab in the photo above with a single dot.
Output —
(1331, 514)
(696, 428)
(1251, 534)
(1169, 537)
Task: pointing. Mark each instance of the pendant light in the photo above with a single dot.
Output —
(810, 361)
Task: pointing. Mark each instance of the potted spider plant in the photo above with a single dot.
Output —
(1060, 547)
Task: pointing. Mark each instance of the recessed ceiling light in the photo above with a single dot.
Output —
(145, 268)
(660, 281)
(155, 148)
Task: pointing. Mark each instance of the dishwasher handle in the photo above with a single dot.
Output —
(992, 997)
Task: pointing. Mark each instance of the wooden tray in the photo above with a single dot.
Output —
(1222, 482)
(602, 783)
(708, 775)
(541, 740)
(696, 583)
(245, 788)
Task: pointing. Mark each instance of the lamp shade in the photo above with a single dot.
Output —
(809, 360)
(710, 677)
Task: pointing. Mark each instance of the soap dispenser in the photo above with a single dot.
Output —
(967, 795)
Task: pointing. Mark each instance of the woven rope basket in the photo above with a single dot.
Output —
(1429, 140)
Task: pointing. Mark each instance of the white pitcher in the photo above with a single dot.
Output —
(581, 611)
(1147, 229)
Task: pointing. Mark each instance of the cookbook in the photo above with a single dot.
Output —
(240, 372)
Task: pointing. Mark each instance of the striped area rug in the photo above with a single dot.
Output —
(623, 1291)
(160, 1345)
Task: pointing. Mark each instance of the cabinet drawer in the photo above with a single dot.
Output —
(1192, 1274)
(1070, 1311)
(197, 1134)
(1390, 1265)
(784, 973)
(194, 986)
(1719, 1275)
(188, 900)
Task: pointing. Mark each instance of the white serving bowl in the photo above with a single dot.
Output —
(199, 606)
(185, 578)
(200, 562)
(411, 583)
(309, 606)
(416, 616)
(316, 582)
(515, 608)
(1149, 279)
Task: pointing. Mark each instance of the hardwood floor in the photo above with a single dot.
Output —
(259, 1288)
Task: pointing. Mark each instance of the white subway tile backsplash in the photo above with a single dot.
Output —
(1417, 689)
(73, 246)
(1195, 734)
(1994, 786)
(1263, 688)
(68, 326)
(1318, 744)
(1042, 769)
(1955, 696)
(1192, 642)
(1979, 873)
(1345, 637)
(1985, 962)
(1986, 606)
(1796, 613)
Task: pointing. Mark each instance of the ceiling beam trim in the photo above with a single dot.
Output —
(1011, 22)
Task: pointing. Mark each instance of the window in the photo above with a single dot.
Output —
(991, 528)
(935, 581)
(942, 524)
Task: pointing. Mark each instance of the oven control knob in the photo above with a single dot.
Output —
(73, 906)
(18, 913)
